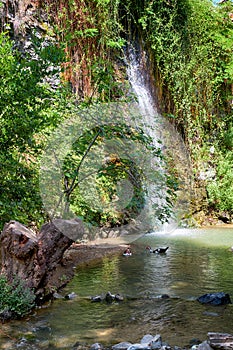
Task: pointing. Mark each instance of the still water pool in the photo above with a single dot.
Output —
(197, 262)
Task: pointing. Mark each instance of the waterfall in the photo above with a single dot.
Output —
(164, 137)
(141, 90)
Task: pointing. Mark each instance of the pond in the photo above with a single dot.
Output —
(198, 261)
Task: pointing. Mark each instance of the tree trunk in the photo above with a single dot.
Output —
(34, 258)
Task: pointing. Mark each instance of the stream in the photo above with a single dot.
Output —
(198, 261)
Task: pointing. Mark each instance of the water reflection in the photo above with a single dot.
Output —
(197, 262)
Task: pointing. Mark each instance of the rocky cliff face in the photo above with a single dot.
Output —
(29, 19)
(29, 28)
(22, 18)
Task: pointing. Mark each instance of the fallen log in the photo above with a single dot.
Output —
(220, 340)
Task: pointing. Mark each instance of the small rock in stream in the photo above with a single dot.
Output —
(109, 297)
(204, 346)
(147, 339)
(96, 299)
(156, 342)
(138, 346)
(57, 296)
(121, 346)
(70, 296)
(96, 346)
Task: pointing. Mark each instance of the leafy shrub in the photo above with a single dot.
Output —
(29, 109)
(16, 299)
(220, 191)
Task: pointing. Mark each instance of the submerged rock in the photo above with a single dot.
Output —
(164, 296)
(57, 296)
(96, 299)
(219, 298)
(119, 297)
(70, 296)
(109, 298)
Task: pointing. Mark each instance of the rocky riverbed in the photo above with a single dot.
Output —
(214, 341)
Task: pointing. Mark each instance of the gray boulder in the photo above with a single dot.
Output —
(204, 346)
(156, 342)
(147, 339)
(219, 298)
(121, 346)
(96, 346)
(138, 346)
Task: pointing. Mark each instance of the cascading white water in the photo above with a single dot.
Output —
(149, 122)
(164, 137)
(146, 104)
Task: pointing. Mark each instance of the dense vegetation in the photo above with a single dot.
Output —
(29, 108)
(190, 44)
(16, 299)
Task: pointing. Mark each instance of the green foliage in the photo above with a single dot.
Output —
(19, 195)
(227, 139)
(220, 191)
(191, 43)
(104, 81)
(104, 173)
(25, 99)
(15, 298)
(29, 109)
(103, 204)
